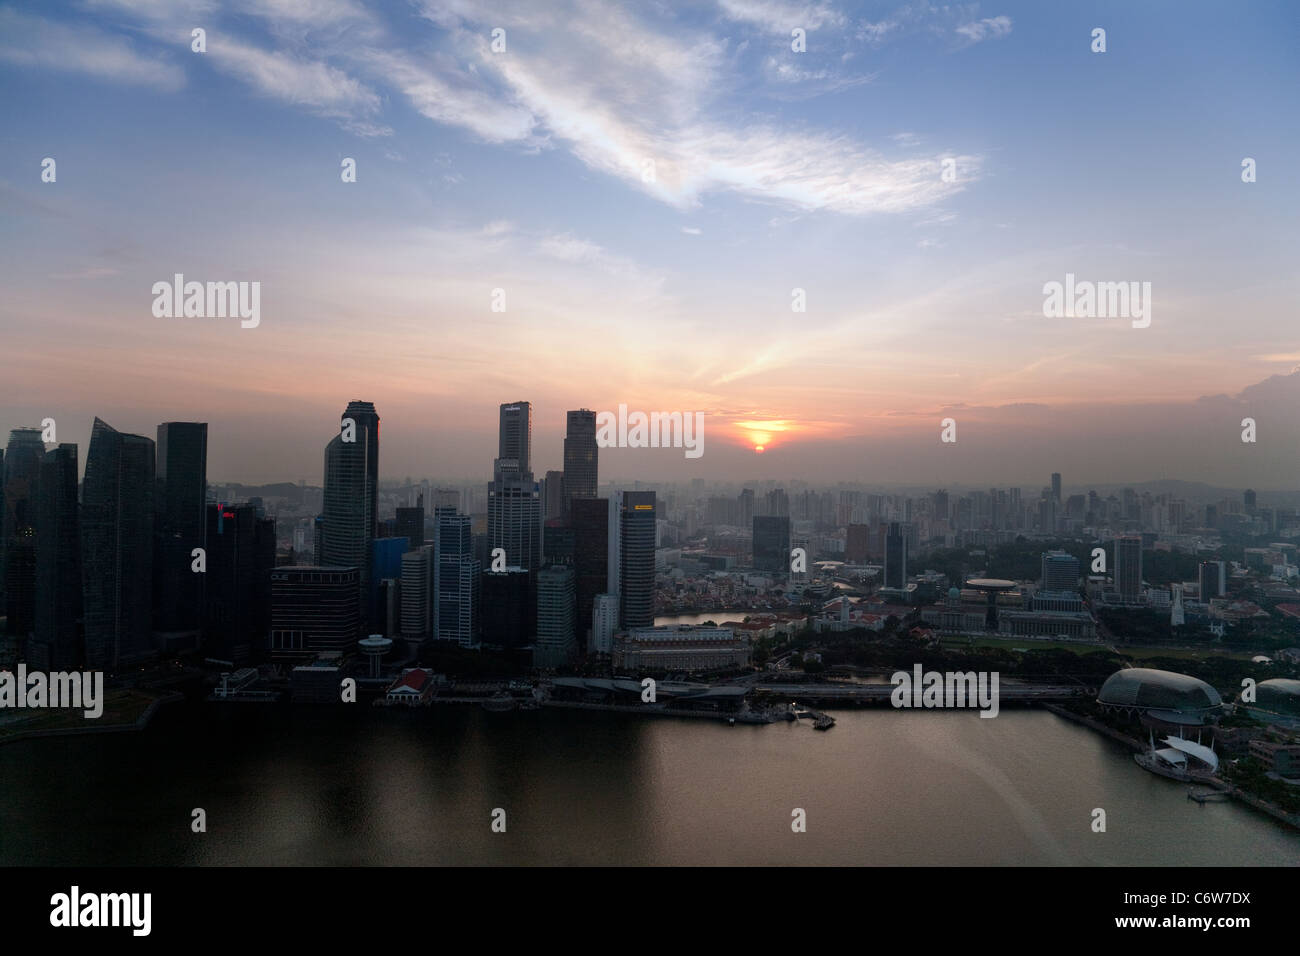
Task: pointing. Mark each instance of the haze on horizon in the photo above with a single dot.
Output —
(524, 170)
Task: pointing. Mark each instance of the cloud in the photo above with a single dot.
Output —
(988, 28)
(292, 77)
(318, 87)
(810, 82)
(941, 20)
(781, 16)
(630, 92)
(439, 91)
(876, 33)
(32, 42)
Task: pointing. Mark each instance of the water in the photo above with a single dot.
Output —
(361, 785)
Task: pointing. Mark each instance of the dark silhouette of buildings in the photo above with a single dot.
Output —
(117, 515)
(581, 456)
(896, 556)
(236, 616)
(509, 608)
(351, 495)
(182, 470)
(410, 525)
(313, 611)
(590, 520)
(22, 466)
(58, 642)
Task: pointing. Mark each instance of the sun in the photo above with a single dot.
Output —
(760, 434)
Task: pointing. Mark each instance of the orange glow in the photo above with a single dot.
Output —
(761, 433)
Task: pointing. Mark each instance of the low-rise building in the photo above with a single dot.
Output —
(680, 647)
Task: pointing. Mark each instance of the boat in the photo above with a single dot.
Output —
(824, 722)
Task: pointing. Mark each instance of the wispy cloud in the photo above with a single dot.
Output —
(33, 42)
(782, 16)
(988, 28)
(318, 87)
(637, 104)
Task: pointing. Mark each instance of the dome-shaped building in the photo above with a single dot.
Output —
(1165, 696)
(1277, 701)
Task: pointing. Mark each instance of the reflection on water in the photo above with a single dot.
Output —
(358, 785)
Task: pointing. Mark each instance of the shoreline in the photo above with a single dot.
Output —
(138, 724)
(1291, 820)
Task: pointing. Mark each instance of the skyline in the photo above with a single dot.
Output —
(918, 441)
(523, 170)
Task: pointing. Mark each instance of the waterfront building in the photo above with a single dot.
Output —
(314, 610)
(680, 647)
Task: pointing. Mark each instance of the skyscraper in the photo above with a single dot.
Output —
(580, 456)
(1060, 571)
(236, 609)
(410, 525)
(179, 524)
(1128, 567)
(1248, 501)
(417, 569)
(456, 597)
(1056, 489)
(313, 611)
(515, 439)
(509, 608)
(745, 507)
(896, 556)
(57, 645)
(351, 494)
(590, 520)
(553, 501)
(117, 515)
(632, 555)
(514, 499)
(556, 608)
(22, 467)
(515, 520)
(604, 622)
(778, 503)
(1213, 580)
(772, 543)
(857, 543)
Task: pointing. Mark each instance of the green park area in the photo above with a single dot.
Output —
(122, 708)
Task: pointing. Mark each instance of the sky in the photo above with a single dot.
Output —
(648, 184)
